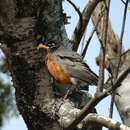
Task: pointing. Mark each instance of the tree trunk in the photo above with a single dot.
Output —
(23, 24)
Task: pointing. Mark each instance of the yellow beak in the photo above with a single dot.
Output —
(42, 46)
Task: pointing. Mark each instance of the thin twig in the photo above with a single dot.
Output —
(123, 2)
(91, 34)
(82, 45)
(88, 41)
(121, 37)
(124, 53)
(112, 104)
(79, 13)
(119, 55)
(103, 49)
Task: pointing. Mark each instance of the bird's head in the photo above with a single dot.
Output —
(49, 46)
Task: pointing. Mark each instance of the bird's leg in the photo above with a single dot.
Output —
(67, 93)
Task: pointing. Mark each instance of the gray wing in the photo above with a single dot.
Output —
(74, 63)
(84, 73)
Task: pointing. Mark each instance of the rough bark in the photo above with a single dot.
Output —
(122, 104)
(23, 24)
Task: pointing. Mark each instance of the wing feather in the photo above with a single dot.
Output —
(74, 63)
(84, 74)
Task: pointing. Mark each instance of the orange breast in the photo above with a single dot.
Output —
(56, 71)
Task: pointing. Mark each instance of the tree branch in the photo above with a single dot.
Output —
(103, 47)
(105, 121)
(119, 57)
(123, 2)
(112, 40)
(91, 34)
(91, 120)
(97, 98)
(86, 14)
(121, 37)
(124, 53)
(79, 13)
(112, 48)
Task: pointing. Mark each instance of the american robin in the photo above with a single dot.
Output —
(66, 66)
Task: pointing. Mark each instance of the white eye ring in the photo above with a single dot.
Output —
(53, 44)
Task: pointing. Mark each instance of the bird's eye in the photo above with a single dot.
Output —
(51, 44)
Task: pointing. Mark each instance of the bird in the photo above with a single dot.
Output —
(67, 66)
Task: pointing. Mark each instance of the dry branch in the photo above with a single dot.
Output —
(97, 98)
(119, 53)
(91, 34)
(105, 121)
(103, 47)
(86, 14)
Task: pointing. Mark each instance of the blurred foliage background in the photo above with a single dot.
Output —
(7, 97)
